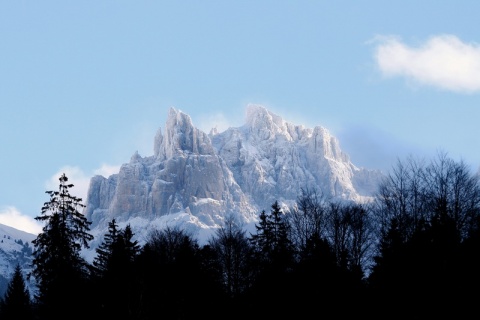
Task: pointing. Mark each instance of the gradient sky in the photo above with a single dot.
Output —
(86, 84)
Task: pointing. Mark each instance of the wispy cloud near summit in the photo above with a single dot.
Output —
(443, 61)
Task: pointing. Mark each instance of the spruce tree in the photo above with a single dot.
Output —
(16, 303)
(130, 248)
(274, 260)
(262, 239)
(271, 241)
(104, 250)
(58, 267)
(114, 273)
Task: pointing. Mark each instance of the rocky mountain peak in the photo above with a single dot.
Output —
(180, 138)
(266, 125)
(196, 180)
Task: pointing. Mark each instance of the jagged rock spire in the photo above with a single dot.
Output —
(180, 137)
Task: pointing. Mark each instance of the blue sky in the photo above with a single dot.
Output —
(86, 84)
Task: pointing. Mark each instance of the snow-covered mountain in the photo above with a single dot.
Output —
(15, 248)
(195, 179)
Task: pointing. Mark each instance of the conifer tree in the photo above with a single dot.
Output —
(271, 241)
(58, 267)
(130, 248)
(16, 303)
(274, 259)
(261, 240)
(114, 272)
(104, 250)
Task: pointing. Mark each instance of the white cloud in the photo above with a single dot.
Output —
(107, 170)
(75, 176)
(79, 179)
(443, 61)
(11, 217)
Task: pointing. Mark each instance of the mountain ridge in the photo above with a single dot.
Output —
(194, 180)
(201, 178)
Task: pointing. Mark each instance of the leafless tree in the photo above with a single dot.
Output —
(232, 248)
(307, 219)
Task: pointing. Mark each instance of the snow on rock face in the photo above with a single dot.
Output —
(15, 248)
(272, 160)
(194, 180)
(267, 125)
(180, 138)
(184, 170)
(240, 171)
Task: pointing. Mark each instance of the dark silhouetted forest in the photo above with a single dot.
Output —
(411, 253)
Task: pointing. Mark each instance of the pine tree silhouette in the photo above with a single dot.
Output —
(60, 270)
(16, 303)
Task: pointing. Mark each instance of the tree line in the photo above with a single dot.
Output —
(412, 252)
